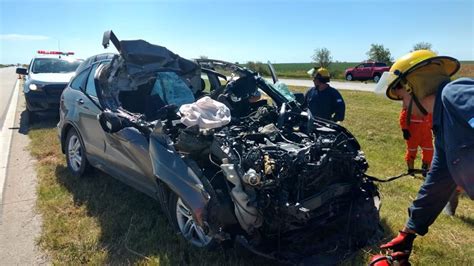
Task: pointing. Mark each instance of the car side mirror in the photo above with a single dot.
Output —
(110, 122)
(21, 71)
(299, 97)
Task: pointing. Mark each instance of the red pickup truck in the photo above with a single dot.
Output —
(366, 71)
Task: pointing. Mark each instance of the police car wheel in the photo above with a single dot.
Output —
(75, 154)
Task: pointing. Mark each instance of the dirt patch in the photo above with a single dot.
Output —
(467, 70)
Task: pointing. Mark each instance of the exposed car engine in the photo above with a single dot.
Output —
(285, 181)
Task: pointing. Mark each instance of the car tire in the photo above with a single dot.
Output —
(183, 221)
(349, 77)
(376, 78)
(75, 154)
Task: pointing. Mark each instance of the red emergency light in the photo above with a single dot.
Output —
(55, 52)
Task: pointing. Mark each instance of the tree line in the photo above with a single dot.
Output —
(377, 52)
(322, 57)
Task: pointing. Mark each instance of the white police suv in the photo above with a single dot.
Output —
(45, 79)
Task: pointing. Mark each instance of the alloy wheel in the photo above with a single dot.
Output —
(189, 228)
(75, 153)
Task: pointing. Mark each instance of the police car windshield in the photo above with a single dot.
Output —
(54, 65)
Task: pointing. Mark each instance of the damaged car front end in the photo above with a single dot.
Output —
(270, 176)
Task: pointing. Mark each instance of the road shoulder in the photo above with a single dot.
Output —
(20, 223)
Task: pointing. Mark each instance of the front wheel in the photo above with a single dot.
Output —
(183, 219)
(349, 77)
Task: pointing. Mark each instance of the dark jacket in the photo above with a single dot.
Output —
(456, 129)
(327, 104)
(453, 128)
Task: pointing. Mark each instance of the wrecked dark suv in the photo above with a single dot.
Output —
(230, 156)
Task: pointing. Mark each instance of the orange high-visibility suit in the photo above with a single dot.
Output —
(420, 136)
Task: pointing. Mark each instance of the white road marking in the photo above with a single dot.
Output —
(6, 137)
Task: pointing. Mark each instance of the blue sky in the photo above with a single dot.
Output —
(280, 31)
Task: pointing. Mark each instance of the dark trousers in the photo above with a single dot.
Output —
(432, 196)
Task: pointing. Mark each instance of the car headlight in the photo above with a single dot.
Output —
(33, 87)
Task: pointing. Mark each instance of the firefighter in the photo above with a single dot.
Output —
(323, 100)
(416, 129)
(426, 77)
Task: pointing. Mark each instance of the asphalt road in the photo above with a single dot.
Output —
(7, 84)
(340, 85)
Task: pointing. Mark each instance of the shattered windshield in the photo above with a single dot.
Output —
(172, 89)
(283, 89)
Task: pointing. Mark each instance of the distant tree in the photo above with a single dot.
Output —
(251, 65)
(322, 57)
(379, 53)
(258, 67)
(422, 46)
(203, 57)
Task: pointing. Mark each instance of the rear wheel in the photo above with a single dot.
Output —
(349, 77)
(75, 154)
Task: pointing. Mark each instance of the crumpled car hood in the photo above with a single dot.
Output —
(138, 63)
(141, 58)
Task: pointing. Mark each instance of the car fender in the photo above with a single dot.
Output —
(171, 169)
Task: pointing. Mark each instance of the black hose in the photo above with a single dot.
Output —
(389, 179)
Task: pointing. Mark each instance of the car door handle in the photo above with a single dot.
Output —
(80, 101)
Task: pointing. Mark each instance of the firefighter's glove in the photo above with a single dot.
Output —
(406, 134)
(401, 245)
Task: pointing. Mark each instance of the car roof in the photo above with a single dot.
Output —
(93, 59)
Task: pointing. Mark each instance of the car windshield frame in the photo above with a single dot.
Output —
(278, 91)
(55, 65)
(282, 89)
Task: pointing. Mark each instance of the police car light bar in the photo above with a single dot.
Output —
(55, 52)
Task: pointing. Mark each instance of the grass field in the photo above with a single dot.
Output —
(298, 70)
(98, 220)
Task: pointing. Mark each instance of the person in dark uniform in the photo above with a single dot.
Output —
(426, 77)
(323, 100)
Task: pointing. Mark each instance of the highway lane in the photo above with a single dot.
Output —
(7, 84)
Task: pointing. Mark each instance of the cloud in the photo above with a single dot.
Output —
(22, 37)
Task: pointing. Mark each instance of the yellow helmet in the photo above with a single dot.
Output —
(417, 61)
(322, 72)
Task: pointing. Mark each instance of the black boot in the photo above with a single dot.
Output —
(411, 167)
(425, 168)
